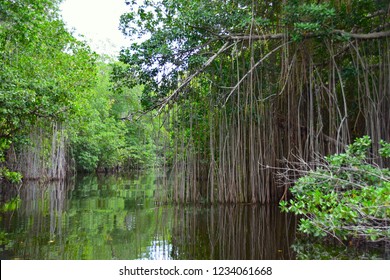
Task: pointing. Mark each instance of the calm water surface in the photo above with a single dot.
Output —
(117, 217)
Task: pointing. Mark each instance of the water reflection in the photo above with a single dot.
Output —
(232, 232)
(315, 249)
(38, 220)
(117, 217)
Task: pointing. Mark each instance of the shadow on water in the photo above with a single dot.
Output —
(116, 217)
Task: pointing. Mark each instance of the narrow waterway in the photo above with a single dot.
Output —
(118, 217)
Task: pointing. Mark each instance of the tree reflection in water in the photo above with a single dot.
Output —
(37, 221)
(117, 217)
(236, 232)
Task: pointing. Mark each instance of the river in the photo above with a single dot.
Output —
(119, 217)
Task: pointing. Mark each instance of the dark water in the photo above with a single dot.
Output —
(117, 217)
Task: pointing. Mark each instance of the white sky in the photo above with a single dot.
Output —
(98, 21)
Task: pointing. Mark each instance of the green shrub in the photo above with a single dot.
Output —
(347, 197)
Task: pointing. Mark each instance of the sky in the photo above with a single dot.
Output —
(98, 21)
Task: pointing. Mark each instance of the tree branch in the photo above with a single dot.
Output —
(363, 36)
(360, 36)
(191, 77)
(253, 68)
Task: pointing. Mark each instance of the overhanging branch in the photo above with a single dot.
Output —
(358, 36)
(191, 77)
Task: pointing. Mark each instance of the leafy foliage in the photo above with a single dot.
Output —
(309, 18)
(46, 74)
(11, 205)
(181, 34)
(348, 197)
(102, 134)
(43, 68)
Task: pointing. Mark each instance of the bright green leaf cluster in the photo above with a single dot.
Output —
(347, 198)
(309, 18)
